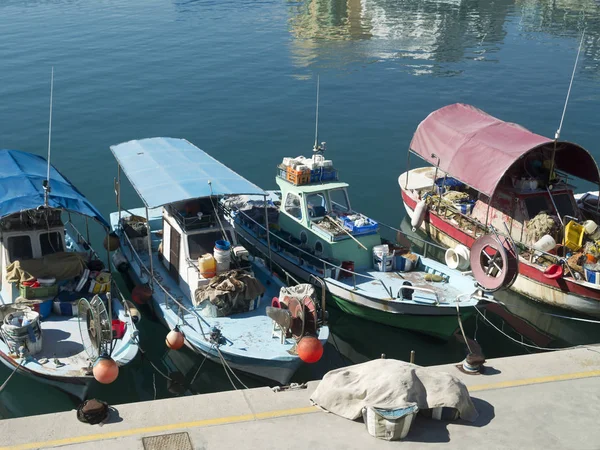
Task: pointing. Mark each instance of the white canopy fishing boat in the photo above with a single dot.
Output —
(167, 247)
(62, 318)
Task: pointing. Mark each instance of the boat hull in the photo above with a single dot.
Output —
(76, 386)
(441, 327)
(530, 282)
(440, 322)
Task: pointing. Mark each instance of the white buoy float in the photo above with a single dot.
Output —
(458, 257)
(418, 215)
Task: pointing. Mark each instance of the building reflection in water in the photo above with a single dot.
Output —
(429, 36)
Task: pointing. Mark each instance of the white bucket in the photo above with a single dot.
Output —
(382, 260)
(458, 257)
(223, 259)
(590, 227)
(545, 243)
(22, 328)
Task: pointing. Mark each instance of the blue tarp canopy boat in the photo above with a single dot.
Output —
(166, 170)
(21, 187)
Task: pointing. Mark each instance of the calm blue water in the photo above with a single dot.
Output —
(237, 78)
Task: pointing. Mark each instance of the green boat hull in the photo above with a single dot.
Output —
(439, 326)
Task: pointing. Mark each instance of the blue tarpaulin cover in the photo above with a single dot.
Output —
(21, 188)
(167, 170)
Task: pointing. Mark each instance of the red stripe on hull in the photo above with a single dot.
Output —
(525, 270)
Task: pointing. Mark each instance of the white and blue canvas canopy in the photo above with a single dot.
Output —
(167, 170)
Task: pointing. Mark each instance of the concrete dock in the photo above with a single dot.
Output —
(549, 400)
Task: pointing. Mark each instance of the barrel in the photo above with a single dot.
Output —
(222, 254)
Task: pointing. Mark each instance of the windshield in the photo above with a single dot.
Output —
(317, 205)
(339, 201)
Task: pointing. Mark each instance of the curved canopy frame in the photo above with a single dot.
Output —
(478, 149)
(22, 176)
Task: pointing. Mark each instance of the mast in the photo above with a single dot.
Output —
(562, 118)
(317, 147)
(46, 183)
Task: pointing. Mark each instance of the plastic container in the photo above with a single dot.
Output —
(590, 227)
(591, 275)
(347, 268)
(298, 177)
(207, 265)
(382, 260)
(29, 292)
(574, 235)
(16, 334)
(45, 308)
(406, 262)
(222, 257)
(223, 245)
(545, 243)
(371, 226)
(329, 174)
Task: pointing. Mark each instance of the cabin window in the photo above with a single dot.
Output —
(199, 244)
(19, 248)
(339, 201)
(51, 243)
(564, 204)
(292, 206)
(536, 205)
(317, 205)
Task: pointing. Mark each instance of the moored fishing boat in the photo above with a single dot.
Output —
(63, 319)
(185, 259)
(317, 233)
(488, 174)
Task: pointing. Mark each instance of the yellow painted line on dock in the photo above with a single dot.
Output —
(163, 428)
(536, 380)
(270, 414)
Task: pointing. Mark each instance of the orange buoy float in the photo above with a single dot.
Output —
(175, 339)
(309, 349)
(105, 370)
(141, 294)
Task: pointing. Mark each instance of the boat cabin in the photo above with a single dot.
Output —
(28, 235)
(190, 229)
(320, 217)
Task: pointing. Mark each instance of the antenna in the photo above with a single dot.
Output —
(317, 147)
(46, 183)
(557, 135)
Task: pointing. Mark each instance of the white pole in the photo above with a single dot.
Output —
(47, 187)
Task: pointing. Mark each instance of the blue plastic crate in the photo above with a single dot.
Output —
(329, 175)
(372, 226)
(315, 175)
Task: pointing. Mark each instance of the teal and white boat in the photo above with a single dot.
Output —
(317, 233)
(59, 309)
(165, 245)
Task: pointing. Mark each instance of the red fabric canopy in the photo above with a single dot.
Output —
(478, 149)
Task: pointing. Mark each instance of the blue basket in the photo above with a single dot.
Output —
(315, 175)
(329, 175)
(372, 226)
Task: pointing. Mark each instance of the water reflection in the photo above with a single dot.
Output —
(427, 36)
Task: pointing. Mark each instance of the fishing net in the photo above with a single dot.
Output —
(541, 225)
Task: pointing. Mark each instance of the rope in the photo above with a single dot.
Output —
(11, 375)
(228, 367)
(523, 343)
(462, 330)
(198, 371)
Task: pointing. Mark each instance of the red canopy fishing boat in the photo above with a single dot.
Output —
(491, 176)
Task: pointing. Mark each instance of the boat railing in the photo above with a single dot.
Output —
(153, 281)
(326, 264)
(81, 239)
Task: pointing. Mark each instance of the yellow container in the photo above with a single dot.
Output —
(574, 235)
(207, 265)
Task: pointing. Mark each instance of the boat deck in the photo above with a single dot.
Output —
(249, 334)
